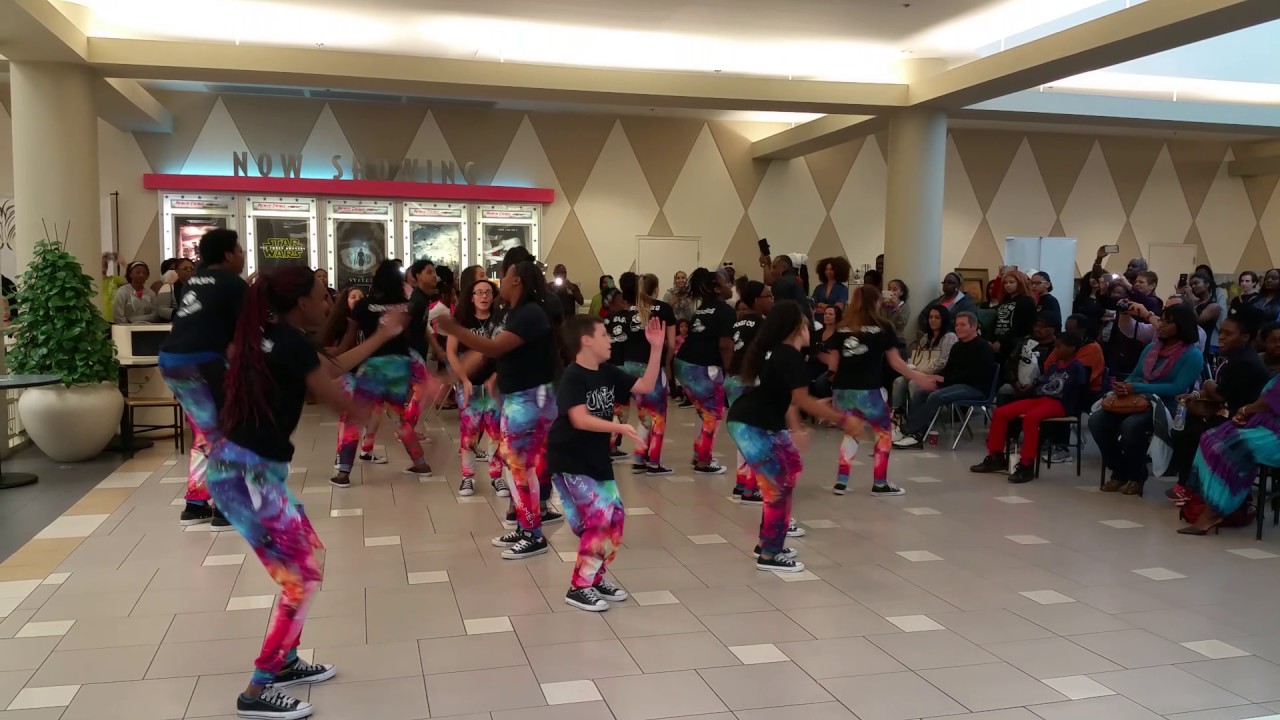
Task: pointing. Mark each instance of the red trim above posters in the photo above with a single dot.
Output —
(348, 188)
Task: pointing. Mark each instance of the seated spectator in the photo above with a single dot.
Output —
(1238, 382)
(1090, 295)
(833, 287)
(1057, 392)
(953, 299)
(967, 376)
(1021, 368)
(1269, 339)
(894, 305)
(1209, 312)
(1046, 303)
(1090, 353)
(1227, 461)
(1269, 296)
(1166, 369)
(928, 355)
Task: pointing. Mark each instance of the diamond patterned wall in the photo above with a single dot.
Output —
(618, 177)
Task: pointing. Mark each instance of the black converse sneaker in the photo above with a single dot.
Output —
(422, 470)
(887, 490)
(737, 493)
(610, 592)
(551, 516)
(711, 468)
(342, 480)
(1023, 474)
(509, 540)
(752, 497)
(787, 553)
(639, 468)
(273, 704)
(481, 456)
(500, 487)
(195, 514)
(992, 463)
(780, 564)
(586, 599)
(839, 489)
(509, 520)
(618, 455)
(220, 522)
(794, 530)
(658, 470)
(302, 672)
(374, 458)
(529, 546)
(467, 487)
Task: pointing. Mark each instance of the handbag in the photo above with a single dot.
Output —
(1127, 405)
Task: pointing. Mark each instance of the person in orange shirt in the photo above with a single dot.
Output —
(1090, 353)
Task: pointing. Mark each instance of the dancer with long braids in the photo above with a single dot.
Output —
(765, 425)
(864, 343)
(651, 406)
(193, 359)
(525, 353)
(477, 396)
(702, 360)
(758, 299)
(386, 379)
(273, 367)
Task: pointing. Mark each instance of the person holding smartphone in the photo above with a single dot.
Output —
(568, 292)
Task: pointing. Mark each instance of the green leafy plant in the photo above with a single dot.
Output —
(60, 330)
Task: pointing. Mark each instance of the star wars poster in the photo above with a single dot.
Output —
(280, 242)
(360, 245)
(498, 239)
(441, 243)
(188, 229)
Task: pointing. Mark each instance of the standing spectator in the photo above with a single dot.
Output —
(1014, 315)
(1209, 312)
(782, 275)
(967, 376)
(678, 297)
(598, 308)
(567, 291)
(1269, 297)
(1144, 291)
(1042, 288)
(1250, 284)
(1090, 300)
(169, 296)
(135, 302)
(894, 306)
(833, 276)
(953, 299)
(323, 276)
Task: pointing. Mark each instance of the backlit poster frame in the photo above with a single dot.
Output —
(340, 213)
(523, 222)
(284, 208)
(188, 209)
(416, 215)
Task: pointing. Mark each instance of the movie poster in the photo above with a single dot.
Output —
(280, 242)
(360, 245)
(441, 243)
(498, 239)
(188, 229)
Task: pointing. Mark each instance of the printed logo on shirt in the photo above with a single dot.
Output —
(600, 402)
(398, 307)
(853, 347)
(617, 334)
(267, 345)
(202, 280)
(697, 326)
(190, 305)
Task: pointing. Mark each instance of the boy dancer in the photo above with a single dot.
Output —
(578, 451)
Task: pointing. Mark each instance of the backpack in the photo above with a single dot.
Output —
(1195, 507)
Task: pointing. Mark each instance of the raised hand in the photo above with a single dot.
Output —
(655, 332)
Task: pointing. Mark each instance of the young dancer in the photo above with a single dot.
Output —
(578, 451)
(193, 358)
(273, 367)
(758, 299)
(526, 358)
(339, 335)
(386, 378)
(651, 406)
(616, 322)
(701, 362)
(765, 424)
(863, 344)
(477, 393)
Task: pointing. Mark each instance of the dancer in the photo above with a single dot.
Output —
(863, 344)
(386, 378)
(765, 424)
(616, 322)
(701, 362)
(477, 392)
(526, 357)
(273, 366)
(193, 359)
(758, 299)
(651, 407)
(339, 335)
(578, 451)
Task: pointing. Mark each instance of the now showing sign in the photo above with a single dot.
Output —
(290, 165)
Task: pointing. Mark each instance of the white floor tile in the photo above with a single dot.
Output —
(18, 588)
(922, 511)
(568, 556)
(759, 654)
(124, 480)
(250, 602)
(178, 503)
(915, 623)
(384, 541)
(472, 500)
(819, 524)
(308, 655)
(8, 605)
(655, 597)
(1159, 573)
(803, 576)
(707, 540)
(923, 479)
(348, 512)
(219, 560)
(919, 555)
(1079, 687)
(318, 490)
(679, 479)
(44, 697)
(173, 481)
(167, 463)
(1027, 539)
(201, 528)
(429, 578)
(56, 628)
(71, 526)
(1047, 597)
(1121, 524)
(56, 578)
(1253, 553)
(1215, 649)
(1014, 500)
(488, 626)
(639, 511)
(574, 691)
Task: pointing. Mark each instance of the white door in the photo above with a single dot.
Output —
(665, 256)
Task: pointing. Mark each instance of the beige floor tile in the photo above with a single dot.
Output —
(659, 695)
(202, 627)
(820, 711)
(117, 632)
(335, 631)
(11, 683)
(840, 657)
(170, 602)
(25, 653)
(216, 657)
(756, 628)
(838, 621)
(358, 663)
(537, 630)
(893, 696)
(653, 620)
(722, 600)
(471, 652)
(100, 501)
(580, 661)
(215, 695)
(142, 700)
(67, 606)
(81, 667)
(395, 699)
(935, 649)
(689, 651)
(762, 686)
(483, 691)
(577, 711)
(991, 687)
(44, 696)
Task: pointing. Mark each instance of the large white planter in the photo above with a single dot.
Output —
(71, 424)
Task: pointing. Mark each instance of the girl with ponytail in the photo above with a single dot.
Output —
(273, 367)
(651, 407)
(702, 360)
(765, 424)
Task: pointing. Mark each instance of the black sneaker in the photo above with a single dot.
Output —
(509, 520)
(618, 455)
(887, 490)
(303, 673)
(551, 516)
(421, 470)
(658, 470)
(374, 458)
(467, 487)
(794, 530)
(195, 514)
(500, 489)
(839, 489)
(780, 565)
(481, 456)
(509, 540)
(273, 704)
(737, 493)
(586, 599)
(529, 546)
(711, 468)
(220, 522)
(1022, 474)
(685, 404)
(340, 480)
(639, 468)
(610, 592)
(788, 553)
(752, 497)
(995, 463)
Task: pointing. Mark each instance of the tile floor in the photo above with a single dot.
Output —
(967, 598)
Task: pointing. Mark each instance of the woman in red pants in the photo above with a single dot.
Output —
(1057, 393)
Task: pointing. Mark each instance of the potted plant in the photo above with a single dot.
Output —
(60, 331)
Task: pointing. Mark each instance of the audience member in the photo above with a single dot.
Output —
(967, 376)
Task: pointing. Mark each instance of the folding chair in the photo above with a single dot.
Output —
(969, 406)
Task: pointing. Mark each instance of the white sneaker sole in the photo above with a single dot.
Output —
(620, 597)
(508, 555)
(197, 521)
(327, 675)
(376, 461)
(599, 607)
(466, 492)
(304, 710)
(426, 474)
(497, 542)
(717, 471)
(798, 532)
(221, 528)
(799, 568)
(503, 493)
(898, 492)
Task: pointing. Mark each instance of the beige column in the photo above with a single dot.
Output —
(55, 159)
(913, 207)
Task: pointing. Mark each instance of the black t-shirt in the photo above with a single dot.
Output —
(861, 356)
(765, 405)
(564, 293)
(419, 306)
(533, 362)
(578, 452)
(205, 321)
(710, 324)
(488, 328)
(289, 359)
(1241, 378)
(637, 348)
(616, 325)
(368, 315)
(744, 331)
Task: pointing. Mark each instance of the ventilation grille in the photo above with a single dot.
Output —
(350, 95)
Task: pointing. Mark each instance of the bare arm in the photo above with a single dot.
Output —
(451, 354)
(898, 364)
(496, 347)
(358, 354)
(583, 420)
(655, 334)
(802, 400)
(320, 383)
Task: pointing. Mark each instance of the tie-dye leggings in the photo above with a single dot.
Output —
(651, 409)
(250, 491)
(704, 386)
(869, 406)
(526, 418)
(595, 514)
(733, 389)
(477, 417)
(384, 382)
(776, 462)
(185, 379)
